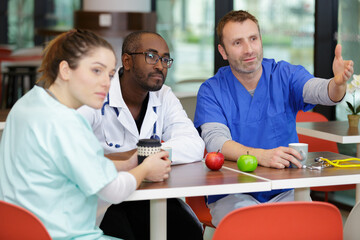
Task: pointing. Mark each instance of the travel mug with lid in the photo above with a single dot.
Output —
(146, 147)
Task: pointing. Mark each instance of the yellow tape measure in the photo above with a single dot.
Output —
(343, 163)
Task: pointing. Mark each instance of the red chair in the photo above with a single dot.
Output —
(18, 223)
(198, 205)
(282, 220)
(320, 145)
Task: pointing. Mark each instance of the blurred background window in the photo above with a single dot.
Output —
(24, 16)
(64, 13)
(287, 28)
(53, 17)
(21, 23)
(188, 28)
(349, 37)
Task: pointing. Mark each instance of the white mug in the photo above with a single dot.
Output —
(169, 150)
(302, 148)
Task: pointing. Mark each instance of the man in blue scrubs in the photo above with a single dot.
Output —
(251, 106)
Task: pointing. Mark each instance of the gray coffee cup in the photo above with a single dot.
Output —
(147, 147)
(302, 148)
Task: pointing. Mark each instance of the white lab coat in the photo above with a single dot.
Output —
(172, 124)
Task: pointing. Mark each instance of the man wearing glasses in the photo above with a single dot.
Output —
(139, 106)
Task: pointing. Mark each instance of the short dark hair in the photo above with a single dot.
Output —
(132, 41)
(234, 16)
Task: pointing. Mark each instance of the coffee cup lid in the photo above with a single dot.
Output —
(149, 142)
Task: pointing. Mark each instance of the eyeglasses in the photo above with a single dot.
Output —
(153, 58)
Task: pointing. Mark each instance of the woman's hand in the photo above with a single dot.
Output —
(158, 166)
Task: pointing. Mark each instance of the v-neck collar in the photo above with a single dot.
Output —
(251, 106)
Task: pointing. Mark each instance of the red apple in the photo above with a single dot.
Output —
(214, 160)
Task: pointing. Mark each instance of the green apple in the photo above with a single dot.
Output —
(247, 163)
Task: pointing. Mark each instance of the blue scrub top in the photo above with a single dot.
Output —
(266, 120)
(52, 164)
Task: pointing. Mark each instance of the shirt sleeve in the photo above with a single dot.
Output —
(119, 189)
(208, 108)
(215, 135)
(179, 132)
(316, 92)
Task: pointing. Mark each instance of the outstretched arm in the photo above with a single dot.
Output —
(343, 70)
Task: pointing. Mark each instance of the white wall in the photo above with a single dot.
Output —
(117, 5)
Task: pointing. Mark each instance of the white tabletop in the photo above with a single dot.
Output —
(196, 180)
(299, 178)
(336, 131)
(193, 179)
(303, 179)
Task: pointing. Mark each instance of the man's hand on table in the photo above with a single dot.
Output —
(278, 157)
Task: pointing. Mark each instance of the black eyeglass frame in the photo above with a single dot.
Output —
(164, 64)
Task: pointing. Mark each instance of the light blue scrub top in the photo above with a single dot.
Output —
(267, 120)
(52, 164)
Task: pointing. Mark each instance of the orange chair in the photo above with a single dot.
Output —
(282, 220)
(198, 205)
(18, 223)
(320, 145)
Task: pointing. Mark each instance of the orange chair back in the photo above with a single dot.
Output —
(198, 205)
(315, 144)
(18, 223)
(284, 220)
(320, 145)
